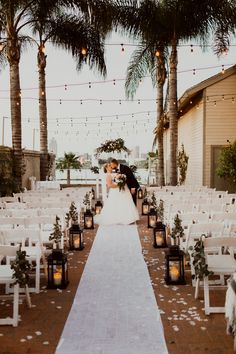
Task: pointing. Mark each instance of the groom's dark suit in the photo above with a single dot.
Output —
(131, 180)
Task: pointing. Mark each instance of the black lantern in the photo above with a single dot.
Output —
(98, 207)
(174, 267)
(152, 218)
(76, 239)
(145, 207)
(140, 193)
(159, 235)
(57, 270)
(88, 219)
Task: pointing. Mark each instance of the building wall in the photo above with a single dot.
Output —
(32, 167)
(220, 122)
(190, 134)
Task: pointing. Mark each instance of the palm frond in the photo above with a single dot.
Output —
(72, 34)
(142, 62)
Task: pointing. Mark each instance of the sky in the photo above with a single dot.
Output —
(82, 115)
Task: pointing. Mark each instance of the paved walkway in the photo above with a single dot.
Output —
(114, 310)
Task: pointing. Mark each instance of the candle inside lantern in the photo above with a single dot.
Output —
(98, 210)
(159, 240)
(152, 221)
(57, 278)
(77, 243)
(174, 273)
(145, 209)
(88, 222)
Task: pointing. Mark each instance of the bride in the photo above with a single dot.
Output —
(119, 207)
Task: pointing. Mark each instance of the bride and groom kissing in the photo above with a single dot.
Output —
(120, 205)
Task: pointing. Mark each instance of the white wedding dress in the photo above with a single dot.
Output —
(118, 208)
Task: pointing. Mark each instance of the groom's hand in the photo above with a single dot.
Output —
(133, 190)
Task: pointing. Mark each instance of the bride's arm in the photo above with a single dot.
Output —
(110, 183)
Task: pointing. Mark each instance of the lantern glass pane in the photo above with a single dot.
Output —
(159, 236)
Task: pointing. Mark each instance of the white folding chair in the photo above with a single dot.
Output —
(6, 277)
(220, 264)
(31, 242)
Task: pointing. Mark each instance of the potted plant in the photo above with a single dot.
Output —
(177, 232)
(72, 216)
(87, 201)
(56, 236)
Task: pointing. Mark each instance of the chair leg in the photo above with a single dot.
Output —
(15, 305)
(197, 288)
(206, 296)
(37, 275)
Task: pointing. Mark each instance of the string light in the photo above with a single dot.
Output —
(118, 79)
(157, 54)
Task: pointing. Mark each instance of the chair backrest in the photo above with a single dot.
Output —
(21, 236)
(5, 212)
(8, 251)
(40, 222)
(211, 242)
(11, 222)
(24, 212)
(15, 205)
(208, 229)
(232, 230)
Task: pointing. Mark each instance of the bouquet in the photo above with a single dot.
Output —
(120, 179)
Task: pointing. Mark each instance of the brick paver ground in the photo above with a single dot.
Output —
(187, 329)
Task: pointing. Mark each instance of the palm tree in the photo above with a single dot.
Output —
(169, 22)
(68, 162)
(150, 58)
(81, 33)
(11, 15)
(72, 32)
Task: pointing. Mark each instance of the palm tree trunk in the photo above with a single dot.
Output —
(13, 56)
(43, 114)
(173, 112)
(68, 176)
(161, 77)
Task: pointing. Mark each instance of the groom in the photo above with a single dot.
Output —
(131, 181)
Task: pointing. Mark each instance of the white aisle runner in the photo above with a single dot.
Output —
(114, 310)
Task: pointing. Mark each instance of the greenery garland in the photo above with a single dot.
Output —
(182, 164)
(160, 211)
(112, 146)
(21, 268)
(199, 260)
